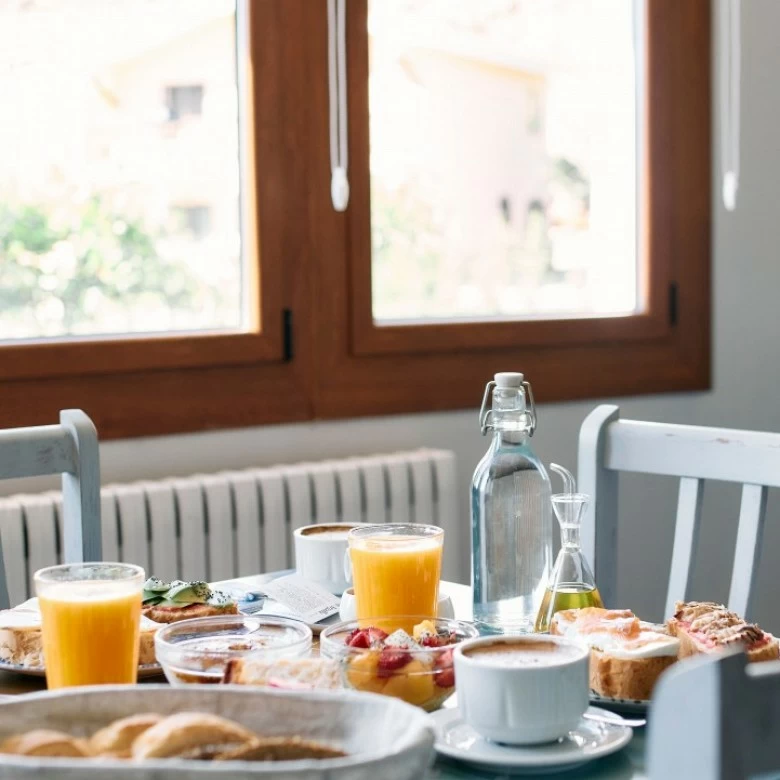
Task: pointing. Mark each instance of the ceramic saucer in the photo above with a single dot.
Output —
(590, 740)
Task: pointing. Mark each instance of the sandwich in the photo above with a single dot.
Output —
(21, 641)
(707, 627)
(169, 602)
(627, 655)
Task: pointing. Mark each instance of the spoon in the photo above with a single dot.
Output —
(617, 720)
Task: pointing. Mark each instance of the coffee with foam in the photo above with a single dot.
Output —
(326, 531)
(516, 655)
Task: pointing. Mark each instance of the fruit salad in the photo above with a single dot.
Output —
(417, 668)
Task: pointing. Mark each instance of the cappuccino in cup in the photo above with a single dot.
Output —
(320, 551)
(521, 690)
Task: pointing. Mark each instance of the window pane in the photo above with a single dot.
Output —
(119, 174)
(503, 158)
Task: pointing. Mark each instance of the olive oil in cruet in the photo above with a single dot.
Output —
(571, 584)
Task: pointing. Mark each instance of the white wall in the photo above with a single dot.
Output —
(746, 380)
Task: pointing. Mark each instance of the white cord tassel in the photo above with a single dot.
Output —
(337, 87)
(730, 67)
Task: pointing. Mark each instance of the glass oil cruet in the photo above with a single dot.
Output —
(571, 584)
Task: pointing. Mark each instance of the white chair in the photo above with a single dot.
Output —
(70, 449)
(609, 445)
(715, 718)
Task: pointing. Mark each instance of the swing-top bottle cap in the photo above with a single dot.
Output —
(508, 379)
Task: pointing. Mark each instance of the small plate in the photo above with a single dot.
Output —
(628, 706)
(147, 670)
(590, 740)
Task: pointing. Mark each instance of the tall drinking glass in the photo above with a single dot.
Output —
(396, 570)
(91, 619)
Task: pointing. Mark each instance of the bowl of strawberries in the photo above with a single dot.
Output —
(406, 657)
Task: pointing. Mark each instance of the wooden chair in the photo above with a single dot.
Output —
(70, 449)
(609, 445)
(717, 718)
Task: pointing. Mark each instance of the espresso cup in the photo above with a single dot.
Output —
(521, 690)
(319, 554)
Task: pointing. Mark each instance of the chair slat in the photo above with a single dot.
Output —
(131, 511)
(686, 534)
(164, 554)
(192, 529)
(248, 523)
(348, 476)
(373, 480)
(12, 538)
(222, 541)
(323, 482)
(752, 514)
(41, 525)
(276, 549)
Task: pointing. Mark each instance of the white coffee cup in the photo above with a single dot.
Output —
(521, 690)
(320, 551)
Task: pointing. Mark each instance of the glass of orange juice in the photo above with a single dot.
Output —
(396, 569)
(91, 616)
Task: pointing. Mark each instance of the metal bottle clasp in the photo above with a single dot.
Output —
(486, 415)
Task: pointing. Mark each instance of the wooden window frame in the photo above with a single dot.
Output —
(313, 352)
(149, 385)
(406, 368)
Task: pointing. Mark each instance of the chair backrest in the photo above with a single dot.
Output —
(70, 449)
(609, 445)
(715, 717)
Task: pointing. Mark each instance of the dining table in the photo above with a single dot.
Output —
(627, 764)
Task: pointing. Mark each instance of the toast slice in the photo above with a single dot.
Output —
(627, 655)
(173, 614)
(707, 627)
(288, 674)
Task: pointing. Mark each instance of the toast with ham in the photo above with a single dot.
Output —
(707, 627)
(627, 655)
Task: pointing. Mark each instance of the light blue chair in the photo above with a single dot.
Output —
(70, 449)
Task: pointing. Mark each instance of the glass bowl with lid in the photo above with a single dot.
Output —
(199, 650)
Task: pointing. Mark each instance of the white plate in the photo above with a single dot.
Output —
(147, 670)
(590, 740)
(628, 706)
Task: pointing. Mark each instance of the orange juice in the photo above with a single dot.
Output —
(89, 639)
(396, 574)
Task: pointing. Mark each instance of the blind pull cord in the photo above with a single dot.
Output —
(730, 67)
(337, 89)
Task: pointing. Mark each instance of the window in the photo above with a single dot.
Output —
(529, 190)
(183, 101)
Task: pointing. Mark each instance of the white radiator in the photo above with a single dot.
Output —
(236, 523)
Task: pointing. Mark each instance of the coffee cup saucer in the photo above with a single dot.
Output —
(456, 740)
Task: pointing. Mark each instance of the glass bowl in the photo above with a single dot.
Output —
(199, 650)
(423, 676)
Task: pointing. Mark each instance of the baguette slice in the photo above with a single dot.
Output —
(707, 627)
(627, 655)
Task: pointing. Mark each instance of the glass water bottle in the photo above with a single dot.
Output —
(511, 524)
(572, 584)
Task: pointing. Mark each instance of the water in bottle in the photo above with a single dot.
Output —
(511, 522)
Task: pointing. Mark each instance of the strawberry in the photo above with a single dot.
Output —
(444, 671)
(390, 660)
(376, 635)
(359, 638)
(430, 640)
